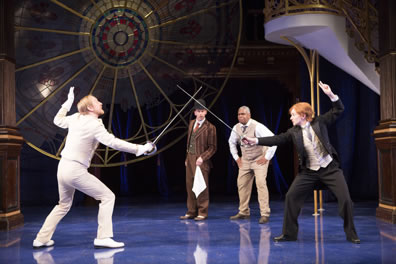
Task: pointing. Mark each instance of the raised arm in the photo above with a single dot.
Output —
(337, 108)
(327, 91)
(60, 119)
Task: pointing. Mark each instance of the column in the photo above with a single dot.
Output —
(385, 132)
(10, 139)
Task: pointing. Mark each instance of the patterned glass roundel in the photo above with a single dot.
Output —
(119, 37)
(130, 54)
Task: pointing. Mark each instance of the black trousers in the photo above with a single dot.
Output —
(304, 183)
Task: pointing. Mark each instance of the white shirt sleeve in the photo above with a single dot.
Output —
(335, 99)
(108, 139)
(263, 131)
(233, 142)
(61, 120)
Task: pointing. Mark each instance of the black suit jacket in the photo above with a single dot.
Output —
(319, 125)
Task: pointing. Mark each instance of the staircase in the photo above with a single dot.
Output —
(327, 34)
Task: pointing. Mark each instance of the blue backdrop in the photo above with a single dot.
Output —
(163, 176)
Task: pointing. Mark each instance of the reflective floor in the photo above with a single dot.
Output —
(153, 233)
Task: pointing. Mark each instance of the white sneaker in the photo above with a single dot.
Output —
(38, 244)
(43, 255)
(107, 253)
(107, 243)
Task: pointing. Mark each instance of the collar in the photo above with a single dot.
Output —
(90, 117)
(306, 126)
(199, 122)
(247, 124)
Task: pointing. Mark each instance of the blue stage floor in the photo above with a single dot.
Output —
(153, 233)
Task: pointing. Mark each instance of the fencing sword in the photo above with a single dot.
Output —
(218, 118)
(178, 113)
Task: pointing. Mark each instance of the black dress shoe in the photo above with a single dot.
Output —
(283, 238)
(354, 240)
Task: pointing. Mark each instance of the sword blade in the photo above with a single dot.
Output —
(178, 113)
(218, 118)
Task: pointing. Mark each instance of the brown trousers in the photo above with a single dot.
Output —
(196, 206)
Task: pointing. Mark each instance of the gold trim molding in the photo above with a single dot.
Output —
(11, 137)
(389, 207)
(277, 8)
(386, 130)
(10, 214)
(384, 138)
(388, 122)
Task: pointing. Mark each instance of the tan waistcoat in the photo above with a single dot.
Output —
(317, 155)
(250, 152)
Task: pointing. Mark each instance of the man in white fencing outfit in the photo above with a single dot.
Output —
(253, 164)
(85, 133)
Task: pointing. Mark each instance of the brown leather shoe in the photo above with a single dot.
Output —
(239, 216)
(200, 218)
(263, 220)
(187, 216)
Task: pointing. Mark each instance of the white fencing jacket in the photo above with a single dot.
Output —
(85, 134)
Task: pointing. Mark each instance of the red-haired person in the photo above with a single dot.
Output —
(318, 162)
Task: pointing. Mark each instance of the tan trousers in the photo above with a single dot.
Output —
(246, 175)
(247, 251)
(75, 176)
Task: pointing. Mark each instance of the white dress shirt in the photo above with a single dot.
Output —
(199, 122)
(261, 131)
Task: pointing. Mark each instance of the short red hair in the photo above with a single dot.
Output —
(303, 109)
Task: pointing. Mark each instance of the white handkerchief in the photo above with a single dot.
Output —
(200, 255)
(199, 184)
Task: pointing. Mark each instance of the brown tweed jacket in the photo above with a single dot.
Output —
(205, 142)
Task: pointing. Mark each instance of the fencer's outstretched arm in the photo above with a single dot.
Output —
(327, 118)
(92, 127)
(108, 139)
(250, 140)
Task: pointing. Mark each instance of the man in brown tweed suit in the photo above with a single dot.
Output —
(201, 145)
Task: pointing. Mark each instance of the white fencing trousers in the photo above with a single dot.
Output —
(71, 176)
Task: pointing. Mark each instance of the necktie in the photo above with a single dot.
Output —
(309, 134)
(196, 127)
(244, 129)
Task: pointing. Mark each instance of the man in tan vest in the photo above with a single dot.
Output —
(252, 164)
